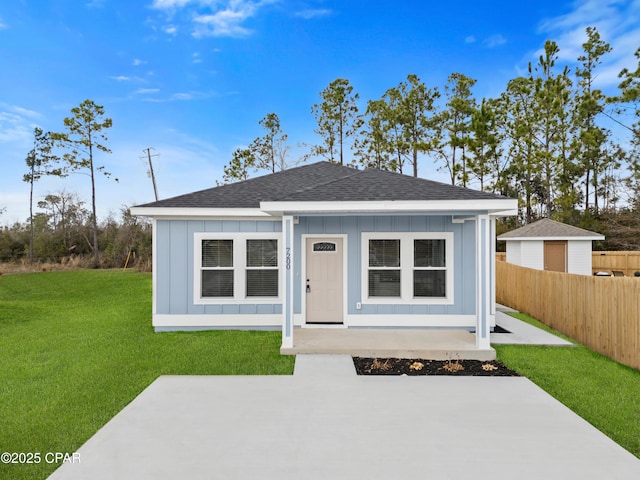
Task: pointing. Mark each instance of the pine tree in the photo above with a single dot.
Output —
(83, 138)
(337, 117)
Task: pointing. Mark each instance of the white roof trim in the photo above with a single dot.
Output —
(501, 206)
(182, 212)
(498, 207)
(565, 237)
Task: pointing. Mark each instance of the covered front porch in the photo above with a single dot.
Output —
(433, 344)
(435, 336)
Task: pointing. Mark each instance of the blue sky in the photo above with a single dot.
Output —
(192, 78)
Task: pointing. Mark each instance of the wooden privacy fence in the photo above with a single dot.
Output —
(626, 262)
(602, 313)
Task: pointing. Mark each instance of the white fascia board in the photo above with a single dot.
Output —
(504, 213)
(491, 206)
(539, 239)
(175, 212)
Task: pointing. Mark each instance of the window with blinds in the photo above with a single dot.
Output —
(429, 268)
(234, 267)
(407, 268)
(262, 268)
(384, 268)
(217, 268)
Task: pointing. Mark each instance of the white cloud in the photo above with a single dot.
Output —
(120, 78)
(313, 13)
(617, 21)
(494, 41)
(25, 112)
(15, 125)
(182, 96)
(225, 23)
(168, 4)
(170, 29)
(195, 58)
(470, 39)
(179, 96)
(147, 91)
(212, 18)
(3, 25)
(14, 128)
(137, 62)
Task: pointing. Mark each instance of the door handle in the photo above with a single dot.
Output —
(308, 286)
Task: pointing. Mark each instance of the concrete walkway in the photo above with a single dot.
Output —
(523, 333)
(323, 423)
(324, 366)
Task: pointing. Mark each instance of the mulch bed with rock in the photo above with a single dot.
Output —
(403, 366)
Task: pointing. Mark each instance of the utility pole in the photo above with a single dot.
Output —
(153, 177)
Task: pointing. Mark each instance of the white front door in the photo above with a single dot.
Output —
(324, 281)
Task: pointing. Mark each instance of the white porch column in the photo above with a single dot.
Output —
(483, 281)
(492, 264)
(287, 297)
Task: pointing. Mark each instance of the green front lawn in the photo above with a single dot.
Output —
(603, 392)
(76, 347)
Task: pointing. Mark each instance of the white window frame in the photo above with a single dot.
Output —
(239, 267)
(407, 267)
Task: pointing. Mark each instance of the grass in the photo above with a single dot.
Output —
(77, 346)
(600, 390)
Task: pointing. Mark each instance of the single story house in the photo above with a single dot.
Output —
(325, 245)
(550, 245)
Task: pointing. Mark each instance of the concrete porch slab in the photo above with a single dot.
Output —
(395, 343)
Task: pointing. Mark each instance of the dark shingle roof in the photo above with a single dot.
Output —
(322, 181)
(547, 228)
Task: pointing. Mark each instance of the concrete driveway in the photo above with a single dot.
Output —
(325, 422)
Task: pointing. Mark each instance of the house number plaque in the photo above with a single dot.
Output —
(324, 247)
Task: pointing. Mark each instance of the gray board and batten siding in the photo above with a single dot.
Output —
(175, 270)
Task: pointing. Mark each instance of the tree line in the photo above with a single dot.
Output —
(543, 140)
(63, 233)
(65, 229)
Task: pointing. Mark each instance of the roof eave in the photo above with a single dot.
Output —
(565, 237)
(497, 207)
(196, 212)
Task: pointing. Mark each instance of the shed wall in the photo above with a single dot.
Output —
(514, 254)
(532, 254)
(579, 257)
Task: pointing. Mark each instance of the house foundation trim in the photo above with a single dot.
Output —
(213, 321)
